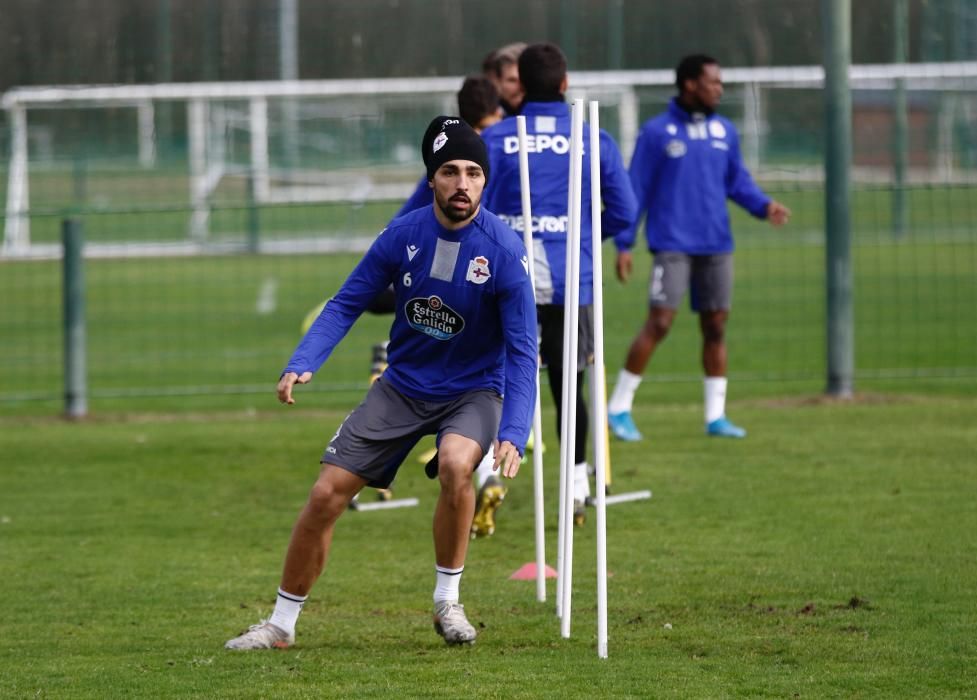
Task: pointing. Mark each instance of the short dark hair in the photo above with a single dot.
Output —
(477, 99)
(499, 58)
(691, 67)
(542, 68)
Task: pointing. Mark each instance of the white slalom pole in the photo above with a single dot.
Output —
(627, 497)
(571, 323)
(527, 237)
(387, 505)
(599, 393)
(564, 412)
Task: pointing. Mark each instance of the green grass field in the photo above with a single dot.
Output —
(827, 555)
(830, 554)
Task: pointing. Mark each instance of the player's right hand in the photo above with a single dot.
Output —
(623, 265)
(507, 457)
(288, 380)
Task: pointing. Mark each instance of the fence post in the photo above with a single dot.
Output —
(900, 123)
(75, 366)
(837, 197)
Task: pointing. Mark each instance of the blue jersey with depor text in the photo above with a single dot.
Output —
(548, 131)
(464, 319)
(684, 168)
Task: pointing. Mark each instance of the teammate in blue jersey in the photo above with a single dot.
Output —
(543, 72)
(686, 164)
(462, 365)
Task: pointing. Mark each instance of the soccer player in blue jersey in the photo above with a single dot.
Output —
(479, 105)
(686, 164)
(462, 365)
(543, 72)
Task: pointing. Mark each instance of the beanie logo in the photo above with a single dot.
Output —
(432, 317)
(478, 270)
(439, 142)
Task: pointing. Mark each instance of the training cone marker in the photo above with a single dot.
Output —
(527, 572)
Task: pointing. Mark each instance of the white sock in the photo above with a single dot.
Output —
(448, 583)
(287, 609)
(714, 390)
(484, 469)
(623, 395)
(581, 482)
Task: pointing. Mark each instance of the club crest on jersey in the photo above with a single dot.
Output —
(675, 148)
(478, 270)
(439, 142)
(431, 316)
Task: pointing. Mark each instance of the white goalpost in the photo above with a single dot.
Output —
(233, 133)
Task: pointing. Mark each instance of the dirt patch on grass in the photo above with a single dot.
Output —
(857, 399)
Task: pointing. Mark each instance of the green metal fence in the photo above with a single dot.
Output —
(201, 260)
(208, 325)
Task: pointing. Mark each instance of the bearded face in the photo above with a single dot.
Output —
(458, 186)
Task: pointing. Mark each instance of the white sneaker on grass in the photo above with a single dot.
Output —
(264, 635)
(450, 622)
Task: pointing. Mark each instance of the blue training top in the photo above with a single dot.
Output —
(464, 318)
(684, 168)
(548, 130)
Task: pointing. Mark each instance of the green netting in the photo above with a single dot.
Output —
(226, 323)
(183, 308)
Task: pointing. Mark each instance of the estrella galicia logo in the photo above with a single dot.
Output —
(431, 316)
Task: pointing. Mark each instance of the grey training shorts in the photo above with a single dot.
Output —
(709, 278)
(377, 436)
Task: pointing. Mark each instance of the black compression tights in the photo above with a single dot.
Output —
(555, 375)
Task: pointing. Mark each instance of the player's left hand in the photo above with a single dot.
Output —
(777, 213)
(507, 457)
(623, 265)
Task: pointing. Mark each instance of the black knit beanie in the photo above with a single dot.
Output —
(450, 138)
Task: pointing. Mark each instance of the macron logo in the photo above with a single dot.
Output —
(412, 250)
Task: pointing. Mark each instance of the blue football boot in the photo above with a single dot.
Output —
(721, 427)
(623, 427)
